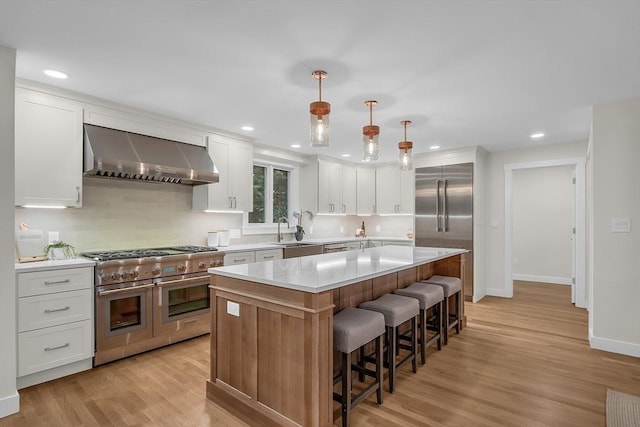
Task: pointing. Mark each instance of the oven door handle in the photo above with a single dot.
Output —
(184, 281)
(125, 290)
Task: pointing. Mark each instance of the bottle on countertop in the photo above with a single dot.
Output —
(363, 232)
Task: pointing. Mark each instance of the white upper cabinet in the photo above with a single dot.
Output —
(394, 191)
(48, 150)
(234, 192)
(349, 190)
(366, 191)
(336, 188)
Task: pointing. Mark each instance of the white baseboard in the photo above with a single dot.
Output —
(542, 279)
(614, 346)
(9, 405)
(497, 292)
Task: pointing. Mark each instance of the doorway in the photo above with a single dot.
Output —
(578, 255)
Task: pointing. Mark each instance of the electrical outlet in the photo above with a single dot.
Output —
(377, 228)
(341, 230)
(311, 229)
(516, 262)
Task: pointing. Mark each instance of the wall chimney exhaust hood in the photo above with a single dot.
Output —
(118, 154)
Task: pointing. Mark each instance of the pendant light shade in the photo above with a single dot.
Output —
(370, 134)
(405, 162)
(319, 110)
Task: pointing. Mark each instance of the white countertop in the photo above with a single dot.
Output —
(325, 240)
(54, 265)
(319, 273)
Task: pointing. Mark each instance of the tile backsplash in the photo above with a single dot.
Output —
(118, 215)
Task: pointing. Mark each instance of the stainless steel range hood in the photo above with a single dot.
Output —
(114, 153)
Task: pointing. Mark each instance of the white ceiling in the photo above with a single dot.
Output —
(465, 72)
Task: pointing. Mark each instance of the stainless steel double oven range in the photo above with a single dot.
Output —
(148, 298)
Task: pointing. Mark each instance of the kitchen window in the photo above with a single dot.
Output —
(274, 196)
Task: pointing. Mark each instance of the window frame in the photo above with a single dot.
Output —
(271, 227)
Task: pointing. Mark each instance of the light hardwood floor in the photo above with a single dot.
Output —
(520, 362)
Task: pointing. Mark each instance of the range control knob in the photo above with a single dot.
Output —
(182, 267)
(114, 276)
(123, 276)
(155, 271)
(201, 265)
(133, 274)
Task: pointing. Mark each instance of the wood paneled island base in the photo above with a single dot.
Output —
(272, 358)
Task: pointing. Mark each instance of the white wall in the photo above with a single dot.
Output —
(616, 256)
(9, 399)
(494, 249)
(542, 222)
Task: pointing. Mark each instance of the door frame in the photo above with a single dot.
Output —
(579, 221)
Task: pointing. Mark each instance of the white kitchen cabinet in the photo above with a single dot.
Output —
(394, 191)
(336, 188)
(365, 191)
(235, 258)
(55, 324)
(234, 192)
(268, 255)
(48, 150)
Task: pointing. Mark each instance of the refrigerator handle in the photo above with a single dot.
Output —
(438, 205)
(445, 211)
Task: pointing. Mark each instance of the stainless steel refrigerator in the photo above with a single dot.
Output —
(444, 211)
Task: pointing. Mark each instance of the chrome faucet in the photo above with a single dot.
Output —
(280, 220)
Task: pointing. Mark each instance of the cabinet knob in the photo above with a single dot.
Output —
(201, 265)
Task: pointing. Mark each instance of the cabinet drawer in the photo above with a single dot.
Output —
(41, 311)
(45, 282)
(52, 347)
(239, 258)
(268, 255)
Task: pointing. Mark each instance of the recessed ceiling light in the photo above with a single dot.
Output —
(56, 74)
(247, 128)
(537, 135)
(346, 155)
(295, 145)
(434, 147)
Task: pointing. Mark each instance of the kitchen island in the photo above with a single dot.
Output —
(272, 325)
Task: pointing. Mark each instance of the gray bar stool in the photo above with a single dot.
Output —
(452, 286)
(397, 310)
(429, 296)
(352, 329)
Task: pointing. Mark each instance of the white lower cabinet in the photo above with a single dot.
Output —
(55, 324)
(235, 258)
(268, 255)
(246, 257)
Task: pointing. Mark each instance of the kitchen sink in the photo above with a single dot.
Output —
(298, 249)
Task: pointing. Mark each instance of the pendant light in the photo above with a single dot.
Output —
(405, 162)
(319, 115)
(370, 134)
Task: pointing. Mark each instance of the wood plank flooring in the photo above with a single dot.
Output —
(520, 362)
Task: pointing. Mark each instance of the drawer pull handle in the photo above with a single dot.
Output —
(239, 260)
(59, 282)
(55, 310)
(186, 322)
(267, 256)
(58, 347)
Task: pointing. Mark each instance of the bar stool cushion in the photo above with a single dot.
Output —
(396, 309)
(427, 294)
(353, 328)
(450, 285)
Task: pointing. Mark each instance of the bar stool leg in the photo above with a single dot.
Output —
(362, 364)
(423, 327)
(438, 309)
(346, 388)
(379, 365)
(391, 357)
(445, 320)
(414, 344)
(459, 313)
